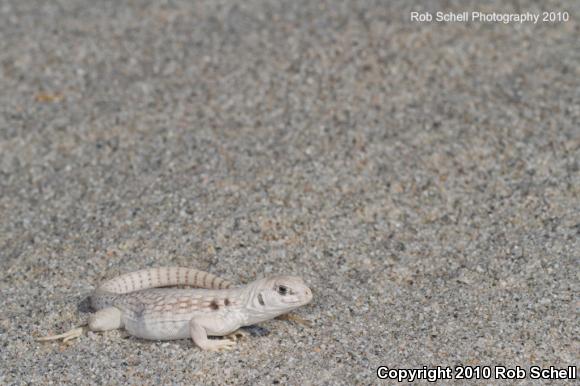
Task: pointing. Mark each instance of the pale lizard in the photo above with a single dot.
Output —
(135, 302)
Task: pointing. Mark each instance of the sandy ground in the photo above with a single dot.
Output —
(423, 178)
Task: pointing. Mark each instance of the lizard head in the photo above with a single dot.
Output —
(278, 295)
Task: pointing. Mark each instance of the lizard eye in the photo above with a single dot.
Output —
(282, 290)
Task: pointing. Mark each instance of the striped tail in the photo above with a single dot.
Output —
(163, 277)
(105, 294)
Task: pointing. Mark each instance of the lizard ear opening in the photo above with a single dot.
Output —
(261, 299)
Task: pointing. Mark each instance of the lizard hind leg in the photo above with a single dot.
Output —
(69, 335)
(102, 320)
(109, 318)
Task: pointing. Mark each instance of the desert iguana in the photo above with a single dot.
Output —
(135, 302)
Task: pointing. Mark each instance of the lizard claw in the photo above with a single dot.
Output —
(224, 345)
(237, 335)
(296, 319)
(67, 336)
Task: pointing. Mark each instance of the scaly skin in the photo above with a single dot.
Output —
(135, 302)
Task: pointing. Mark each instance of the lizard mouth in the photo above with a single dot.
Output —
(304, 298)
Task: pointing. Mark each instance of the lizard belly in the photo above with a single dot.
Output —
(220, 324)
(170, 328)
(158, 329)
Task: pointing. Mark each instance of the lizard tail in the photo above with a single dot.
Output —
(163, 277)
(107, 292)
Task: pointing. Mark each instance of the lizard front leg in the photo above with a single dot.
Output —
(69, 335)
(198, 329)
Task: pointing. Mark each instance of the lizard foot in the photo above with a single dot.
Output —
(295, 318)
(67, 336)
(219, 345)
(237, 335)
